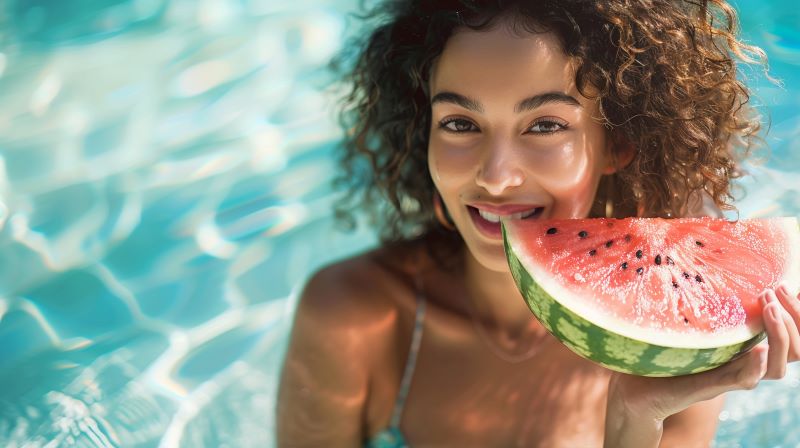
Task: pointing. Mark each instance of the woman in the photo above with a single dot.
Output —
(465, 112)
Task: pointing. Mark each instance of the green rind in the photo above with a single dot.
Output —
(612, 350)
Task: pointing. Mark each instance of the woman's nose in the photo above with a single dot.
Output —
(499, 170)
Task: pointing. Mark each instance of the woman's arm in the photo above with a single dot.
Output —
(324, 382)
(693, 427)
(627, 428)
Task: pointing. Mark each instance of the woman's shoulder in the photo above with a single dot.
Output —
(343, 342)
(375, 285)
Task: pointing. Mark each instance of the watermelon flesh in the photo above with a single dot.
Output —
(651, 296)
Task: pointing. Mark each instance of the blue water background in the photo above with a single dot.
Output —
(164, 193)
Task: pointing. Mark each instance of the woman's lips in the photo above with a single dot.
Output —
(492, 229)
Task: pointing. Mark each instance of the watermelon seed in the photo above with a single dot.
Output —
(592, 252)
(686, 275)
(698, 278)
(639, 271)
(685, 320)
(674, 284)
(609, 243)
(628, 238)
(583, 234)
(699, 243)
(658, 259)
(669, 261)
(624, 265)
(638, 254)
(551, 230)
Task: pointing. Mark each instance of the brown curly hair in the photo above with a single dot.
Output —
(665, 72)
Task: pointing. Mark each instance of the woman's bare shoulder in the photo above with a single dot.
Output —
(344, 327)
(362, 288)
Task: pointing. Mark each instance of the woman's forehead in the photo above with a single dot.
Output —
(501, 62)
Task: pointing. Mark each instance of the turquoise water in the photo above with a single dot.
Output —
(164, 170)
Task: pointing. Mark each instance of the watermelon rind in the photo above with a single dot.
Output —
(630, 349)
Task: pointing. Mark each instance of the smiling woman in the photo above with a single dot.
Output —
(465, 113)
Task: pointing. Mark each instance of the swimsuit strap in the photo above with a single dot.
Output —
(411, 362)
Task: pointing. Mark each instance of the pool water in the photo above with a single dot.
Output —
(164, 193)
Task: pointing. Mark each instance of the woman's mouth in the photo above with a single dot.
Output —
(488, 223)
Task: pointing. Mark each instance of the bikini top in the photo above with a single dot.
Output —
(392, 436)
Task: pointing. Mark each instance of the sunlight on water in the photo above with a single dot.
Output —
(164, 193)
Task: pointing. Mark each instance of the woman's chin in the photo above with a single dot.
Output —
(490, 257)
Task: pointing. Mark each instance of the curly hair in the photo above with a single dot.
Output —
(664, 73)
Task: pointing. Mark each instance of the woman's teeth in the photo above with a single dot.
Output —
(491, 217)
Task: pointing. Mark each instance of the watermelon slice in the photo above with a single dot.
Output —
(650, 296)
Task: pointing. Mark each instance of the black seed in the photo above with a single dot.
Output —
(698, 278)
(592, 252)
(609, 243)
(639, 271)
(674, 284)
(669, 260)
(699, 243)
(658, 259)
(551, 230)
(685, 320)
(628, 238)
(624, 265)
(583, 234)
(638, 254)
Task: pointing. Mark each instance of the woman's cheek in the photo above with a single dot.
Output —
(570, 176)
(450, 166)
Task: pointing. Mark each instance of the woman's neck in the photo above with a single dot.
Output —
(497, 305)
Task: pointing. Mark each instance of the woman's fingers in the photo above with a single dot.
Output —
(777, 336)
(790, 304)
(794, 338)
(791, 317)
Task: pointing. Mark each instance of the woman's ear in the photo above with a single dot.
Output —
(621, 152)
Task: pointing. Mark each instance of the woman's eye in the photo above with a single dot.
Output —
(458, 125)
(547, 127)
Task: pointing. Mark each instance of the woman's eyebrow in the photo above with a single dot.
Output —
(545, 98)
(523, 106)
(457, 99)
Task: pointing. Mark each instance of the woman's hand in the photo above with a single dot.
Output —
(644, 399)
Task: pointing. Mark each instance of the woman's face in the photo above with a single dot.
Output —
(510, 134)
